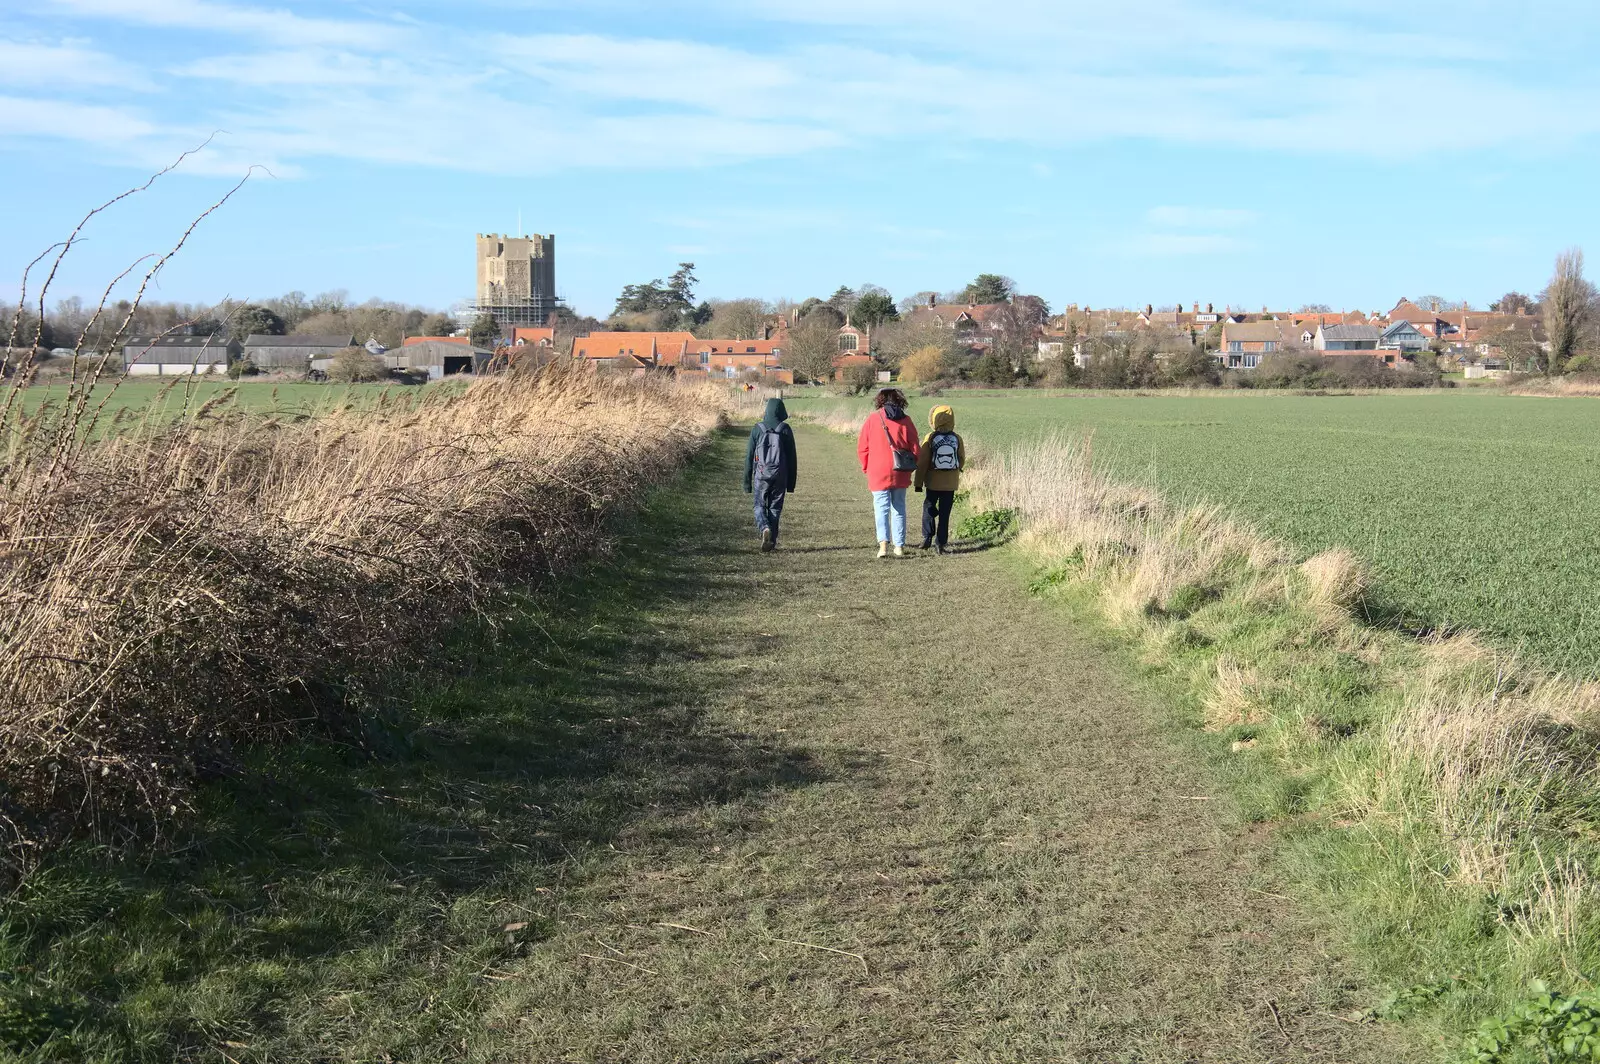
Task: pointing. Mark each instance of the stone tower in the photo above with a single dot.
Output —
(517, 277)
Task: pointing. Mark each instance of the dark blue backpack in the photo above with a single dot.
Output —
(769, 453)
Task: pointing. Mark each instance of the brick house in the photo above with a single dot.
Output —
(1244, 344)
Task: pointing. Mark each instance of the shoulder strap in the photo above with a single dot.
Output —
(883, 419)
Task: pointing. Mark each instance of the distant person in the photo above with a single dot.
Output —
(939, 466)
(769, 470)
(887, 447)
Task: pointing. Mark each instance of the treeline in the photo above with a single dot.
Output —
(294, 312)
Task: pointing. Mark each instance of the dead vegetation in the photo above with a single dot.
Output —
(183, 586)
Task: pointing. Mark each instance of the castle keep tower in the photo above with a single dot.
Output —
(516, 278)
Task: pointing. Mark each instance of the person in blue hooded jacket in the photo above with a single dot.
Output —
(769, 469)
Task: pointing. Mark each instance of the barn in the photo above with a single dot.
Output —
(292, 354)
(172, 356)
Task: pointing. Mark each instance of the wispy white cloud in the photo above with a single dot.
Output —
(35, 63)
(293, 87)
(275, 25)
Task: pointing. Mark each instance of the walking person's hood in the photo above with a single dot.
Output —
(943, 418)
(893, 412)
(776, 413)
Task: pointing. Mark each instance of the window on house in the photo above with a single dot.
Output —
(1235, 346)
(1251, 361)
(1269, 346)
(705, 358)
(849, 342)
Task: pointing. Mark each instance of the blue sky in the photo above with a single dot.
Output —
(1153, 151)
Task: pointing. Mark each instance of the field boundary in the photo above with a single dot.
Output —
(180, 588)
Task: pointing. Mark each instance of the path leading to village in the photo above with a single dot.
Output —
(905, 812)
(700, 804)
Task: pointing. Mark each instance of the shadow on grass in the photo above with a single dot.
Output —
(528, 748)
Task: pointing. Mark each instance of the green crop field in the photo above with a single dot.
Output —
(1474, 510)
(173, 395)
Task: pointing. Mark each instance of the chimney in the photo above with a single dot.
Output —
(1197, 308)
(1210, 309)
(1149, 309)
(933, 299)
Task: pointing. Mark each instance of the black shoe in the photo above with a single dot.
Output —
(767, 541)
(941, 549)
(927, 543)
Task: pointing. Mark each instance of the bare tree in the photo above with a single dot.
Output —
(1569, 309)
(813, 345)
(737, 319)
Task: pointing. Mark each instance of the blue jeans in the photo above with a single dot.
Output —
(890, 509)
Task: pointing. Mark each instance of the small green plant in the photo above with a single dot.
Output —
(986, 524)
(1546, 1028)
(242, 367)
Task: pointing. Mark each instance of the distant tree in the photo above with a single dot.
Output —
(899, 340)
(1032, 311)
(330, 322)
(334, 300)
(437, 325)
(989, 288)
(1433, 303)
(817, 309)
(701, 314)
(1514, 303)
(485, 331)
(874, 308)
(355, 365)
(910, 303)
(670, 303)
(738, 319)
(843, 300)
(256, 321)
(813, 345)
(1569, 309)
(1314, 308)
(923, 365)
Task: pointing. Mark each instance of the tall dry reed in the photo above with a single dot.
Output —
(177, 587)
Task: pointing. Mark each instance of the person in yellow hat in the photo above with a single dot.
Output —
(940, 460)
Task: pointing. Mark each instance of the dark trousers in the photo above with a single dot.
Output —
(769, 495)
(936, 516)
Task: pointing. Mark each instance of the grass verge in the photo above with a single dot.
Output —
(1445, 798)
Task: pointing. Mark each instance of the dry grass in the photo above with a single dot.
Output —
(843, 419)
(1484, 773)
(179, 587)
(1555, 386)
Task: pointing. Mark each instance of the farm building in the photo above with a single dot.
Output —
(439, 359)
(170, 356)
(292, 354)
(436, 358)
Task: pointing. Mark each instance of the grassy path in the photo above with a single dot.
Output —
(1002, 845)
(713, 806)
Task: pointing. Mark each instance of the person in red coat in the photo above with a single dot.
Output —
(888, 448)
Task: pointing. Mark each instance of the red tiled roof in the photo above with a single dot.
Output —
(648, 345)
(408, 341)
(533, 334)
